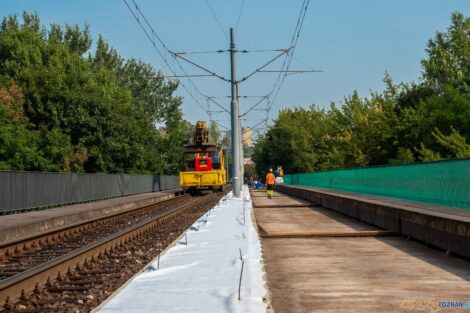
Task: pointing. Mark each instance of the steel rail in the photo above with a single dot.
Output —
(26, 242)
(12, 287)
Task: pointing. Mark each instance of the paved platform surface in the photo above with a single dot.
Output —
(20, 225)
(302, 219)
(350, 274)
(444, 227)
(260, 199)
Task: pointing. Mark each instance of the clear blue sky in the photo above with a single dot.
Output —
(353, 41)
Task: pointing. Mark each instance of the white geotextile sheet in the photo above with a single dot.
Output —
(203, 275)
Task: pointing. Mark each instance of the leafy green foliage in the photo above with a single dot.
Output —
(71, 112)
(424, 121)
(448, 57)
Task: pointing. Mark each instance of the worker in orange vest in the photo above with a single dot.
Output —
(270, 180)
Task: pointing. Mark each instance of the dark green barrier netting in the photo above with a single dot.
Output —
(443, 182)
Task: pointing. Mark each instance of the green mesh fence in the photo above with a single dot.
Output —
(442, 182)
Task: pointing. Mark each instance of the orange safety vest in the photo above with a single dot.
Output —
(270, 179)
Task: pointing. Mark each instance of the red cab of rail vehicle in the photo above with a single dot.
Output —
(203, 164)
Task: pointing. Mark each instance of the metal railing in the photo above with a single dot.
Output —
(29, 190)
(441, 182)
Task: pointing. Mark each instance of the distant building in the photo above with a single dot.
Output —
(247, 137)
(248, 161)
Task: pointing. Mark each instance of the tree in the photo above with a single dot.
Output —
(95, 113)
(449, 56)
(214, 132)
(19, 146)
(419, 121)
(454, 143)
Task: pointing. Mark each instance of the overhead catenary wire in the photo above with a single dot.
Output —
(284, 72)
(148, 36)
(201, 52)
(177, 56)
(165, 60)
(256, 125)
(248, 129)
(264, 65)
(218, 104)
(148, 24)
(200, 67)
(190, 75)
(181, 67)
(165, 47)
(254, 106)
(301, 62)
(207, 109)
(239, 15)
(289, 56)
(288, 59)
(283, 51)
(260, 50)
(217, 19)
(242, 96)
(220, 125)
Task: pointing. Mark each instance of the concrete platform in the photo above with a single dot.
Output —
(352, 274)
(305, 219)
(360, 275)
(22, 225)
(442, 227)
(260, 200)
(261, 193)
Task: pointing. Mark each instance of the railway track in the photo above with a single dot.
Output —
(74, 269)
(20, 255)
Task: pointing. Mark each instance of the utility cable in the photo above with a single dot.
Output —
(260, 50)
(158, 50)
(201, 52)
(254, 106)
(239, 15)
(288, 59)
(179, 63)
(301, 62)
(292, 44)
(176, 56)
(217, 20)
(206, 110)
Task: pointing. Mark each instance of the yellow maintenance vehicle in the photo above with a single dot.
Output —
(204, 163)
